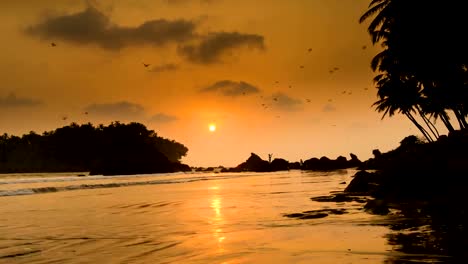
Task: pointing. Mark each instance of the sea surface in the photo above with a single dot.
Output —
(189, 218)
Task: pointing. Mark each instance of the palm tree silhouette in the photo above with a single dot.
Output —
(397, 96)
(421, 55)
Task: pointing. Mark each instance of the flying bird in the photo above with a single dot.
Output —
(308, 100)
(64, 118)
(53, 44)
(146, 65)
(364, 47)
(85, 113)
(276, 99)
(309, 50)
(302, 66)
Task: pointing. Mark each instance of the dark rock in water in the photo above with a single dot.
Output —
(254, 163)
(315, 214)
(338, 198)
(342, 182)
(80, 175)
(279, 165)
(378, 207)
(363, 182)
(339, 211)
(294, 215)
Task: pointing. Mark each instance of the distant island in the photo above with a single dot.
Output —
(116, 149)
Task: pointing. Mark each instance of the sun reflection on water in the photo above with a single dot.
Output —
(217, 220)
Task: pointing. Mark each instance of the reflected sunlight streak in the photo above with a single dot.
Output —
(217, 220)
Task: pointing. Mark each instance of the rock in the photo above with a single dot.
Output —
(254, 163)
(294, 215)
(315, 214)
(377, 207)
(363, 182)
(338, 198)
(279, 165)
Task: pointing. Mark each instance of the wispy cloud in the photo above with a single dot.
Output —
(120, 110)
(165, 67)
(162, 118)
(126, 111)
(329, 108)
(214, 46)
(11, 100)
(284, 102)
(93, 27)
(231, 88)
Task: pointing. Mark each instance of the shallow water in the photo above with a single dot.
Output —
(186, 218)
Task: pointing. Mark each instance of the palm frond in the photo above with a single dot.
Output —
(372, 10)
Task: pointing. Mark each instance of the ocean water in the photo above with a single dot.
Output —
(187, 218)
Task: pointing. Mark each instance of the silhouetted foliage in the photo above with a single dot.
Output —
(113, 149)
(423, 67)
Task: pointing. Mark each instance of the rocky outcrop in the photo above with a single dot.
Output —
(254, 163)
(324, 163)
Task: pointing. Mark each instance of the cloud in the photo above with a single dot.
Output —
(329, 108)
(162, 118)
(231, 88)
(215, 45)
(126, 111)
(165, 67)
(93, 27)
(119, 111)
(284, 102)
(11, 100)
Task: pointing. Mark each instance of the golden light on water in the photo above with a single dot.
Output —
(217, 220)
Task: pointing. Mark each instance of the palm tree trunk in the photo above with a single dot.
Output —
(428, 123)
(462, 118)
(459, 117)
(444, 117)
(423, 131)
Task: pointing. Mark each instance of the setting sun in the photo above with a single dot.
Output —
(212, 127)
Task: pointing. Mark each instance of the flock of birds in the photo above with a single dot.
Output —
(308, 100)
(275, 99)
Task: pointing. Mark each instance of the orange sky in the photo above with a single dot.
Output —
(211, 61)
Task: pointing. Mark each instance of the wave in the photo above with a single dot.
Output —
(118, 183)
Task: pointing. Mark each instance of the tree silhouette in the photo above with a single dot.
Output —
(422, 44)
(114, 149)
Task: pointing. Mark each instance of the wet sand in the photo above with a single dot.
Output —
(234, 219)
